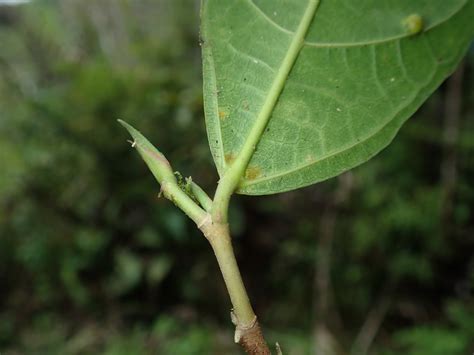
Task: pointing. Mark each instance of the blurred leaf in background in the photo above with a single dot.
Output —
(92, 261)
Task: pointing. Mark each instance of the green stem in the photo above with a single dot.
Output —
(201, 196)
(174, 193)
(221, 243)
(247, 329)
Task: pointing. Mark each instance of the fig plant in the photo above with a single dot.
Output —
(297, 92)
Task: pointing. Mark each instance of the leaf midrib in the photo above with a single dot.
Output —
(234, 174)
(237, 169)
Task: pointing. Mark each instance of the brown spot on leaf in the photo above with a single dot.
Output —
(223, 114)
(229, 158)
(252, 173)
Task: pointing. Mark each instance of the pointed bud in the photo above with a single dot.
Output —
(156, 161)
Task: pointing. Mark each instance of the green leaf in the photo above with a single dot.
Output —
(310, 89)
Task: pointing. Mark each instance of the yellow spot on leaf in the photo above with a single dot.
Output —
(223, 114)
(252, 173)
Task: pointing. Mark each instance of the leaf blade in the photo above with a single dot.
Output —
(364, 90)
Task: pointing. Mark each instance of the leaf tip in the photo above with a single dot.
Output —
(125, 124)
(156, 161)
(136, 135)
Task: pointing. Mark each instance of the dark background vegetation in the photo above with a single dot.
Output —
(379, 260)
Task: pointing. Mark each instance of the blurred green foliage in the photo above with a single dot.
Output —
(92, 261)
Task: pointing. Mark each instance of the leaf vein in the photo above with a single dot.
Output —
(250, 57)
(378, 82)
(269, 20)
(403, 65)
(327, 156)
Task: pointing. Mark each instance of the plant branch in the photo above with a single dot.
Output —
(248, 332)
(203, 199)
(247, 329)
(161, 169)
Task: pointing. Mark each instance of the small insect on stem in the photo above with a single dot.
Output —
(133, 143)
(413, 24)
